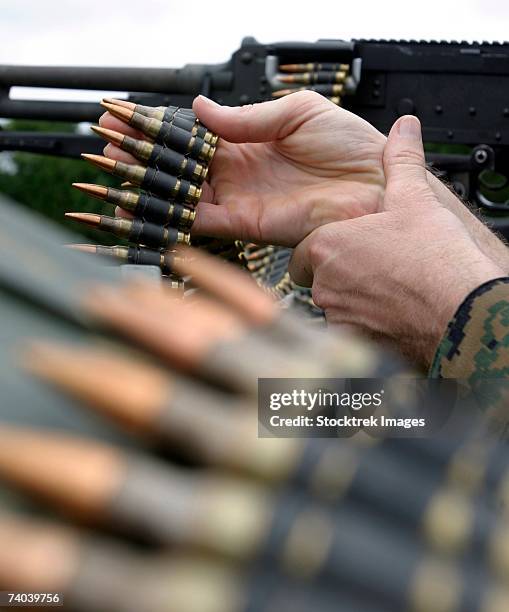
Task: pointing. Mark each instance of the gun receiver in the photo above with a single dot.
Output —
(459, 91)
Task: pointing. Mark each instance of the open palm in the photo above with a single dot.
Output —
(283, 168)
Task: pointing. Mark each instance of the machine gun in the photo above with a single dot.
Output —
(459, 91)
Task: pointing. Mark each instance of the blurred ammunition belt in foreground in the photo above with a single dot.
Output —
(229, 521)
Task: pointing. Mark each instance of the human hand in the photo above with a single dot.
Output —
(282, 168)
(399, 274)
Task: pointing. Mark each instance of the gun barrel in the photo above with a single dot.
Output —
(61, 145)
(49, 110)
(186, 80)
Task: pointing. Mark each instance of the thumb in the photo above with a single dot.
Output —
(404, 153)
(261, 122)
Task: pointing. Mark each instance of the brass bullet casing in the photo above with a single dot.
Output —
(175, 284)
(189, 124)
(180, 117)
(135, 230)
(313, 67)
(156, 156)
(311, 78)
(173, 137)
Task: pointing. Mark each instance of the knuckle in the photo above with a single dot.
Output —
(247, 110)
(317, 248)
(406, 157)
(307, 98)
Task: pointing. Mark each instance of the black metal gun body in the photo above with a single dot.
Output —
(459, 91)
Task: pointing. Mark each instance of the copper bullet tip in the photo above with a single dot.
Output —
(99, 160)
(110, 135)
(96, 191)
(117, 102)
(88, 218)
(83, 248)
(122, 113)
(290, 67)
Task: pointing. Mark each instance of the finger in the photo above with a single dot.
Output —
(214, 221)
(404, 153)
(113, 152)
(259, 122)
(207, 193)
(108, 121)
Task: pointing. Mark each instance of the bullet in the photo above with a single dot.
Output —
(133, 254)
(156, 112)
(173, 137)
(143, 205)
(311, 78)
(182, 336)
(154, 181)
(325, 90)
(135, 230)
(156, 156)
(171, 115)
(312, 67)
(259, 253)
(252, 266)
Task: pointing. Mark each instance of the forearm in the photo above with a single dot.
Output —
(486, 240)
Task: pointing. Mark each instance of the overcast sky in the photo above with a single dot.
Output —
(169, 33)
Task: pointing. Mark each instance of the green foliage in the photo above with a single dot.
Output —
(43, 183)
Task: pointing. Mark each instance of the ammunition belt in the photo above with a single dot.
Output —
(326, 79)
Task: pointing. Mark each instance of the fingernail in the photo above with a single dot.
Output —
(206, 100)
(409, 127)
